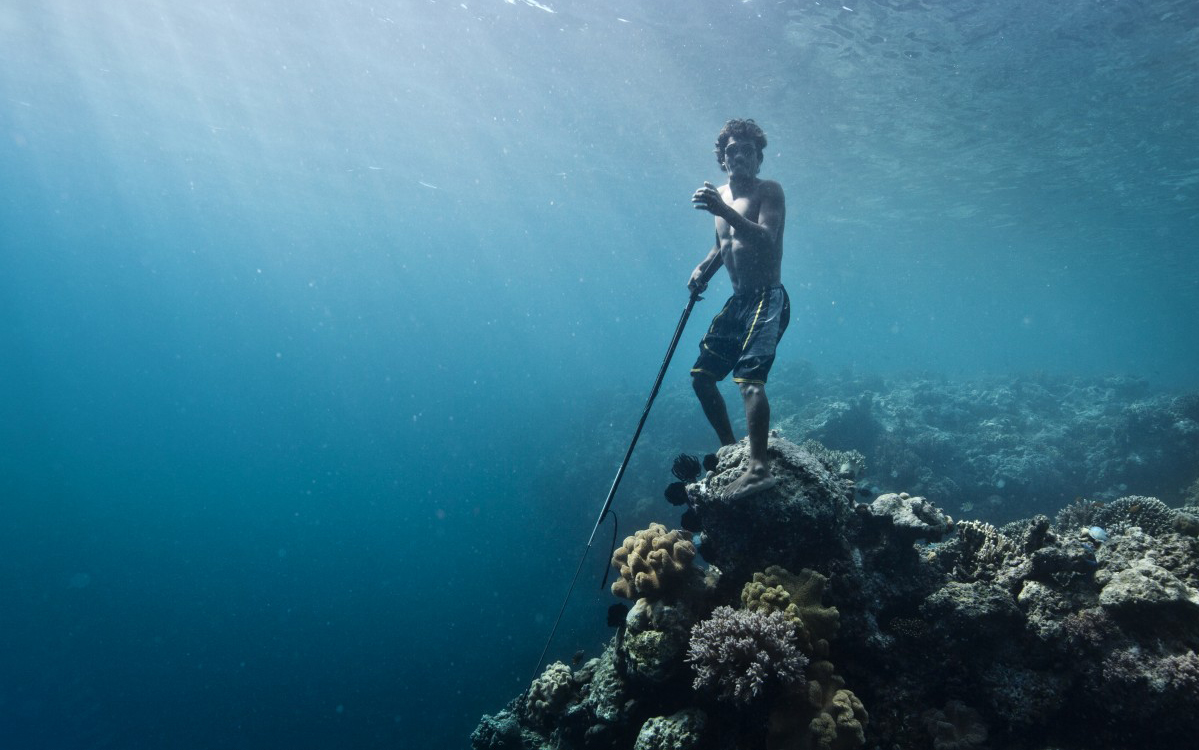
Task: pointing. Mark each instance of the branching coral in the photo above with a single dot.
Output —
(742, 652)
(1079, 514)
(1152, 515)
(798, 596)
(652, 562)
(979, 552)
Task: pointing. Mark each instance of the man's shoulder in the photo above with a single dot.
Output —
(770, 186)
(769, 190)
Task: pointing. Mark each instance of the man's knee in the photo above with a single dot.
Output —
(752, 390)
(702, 384)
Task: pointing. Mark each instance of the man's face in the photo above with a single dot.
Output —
(741, 158)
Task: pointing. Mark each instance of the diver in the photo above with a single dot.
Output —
(750, 213)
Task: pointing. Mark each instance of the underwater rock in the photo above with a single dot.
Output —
(656, 641)
(797, 524)
(1024, 697)
(679, 731)
(606, 696)
(1143, 588)
(1140, 575)
(1187, 523)
(913, 517)
(977, 611)
(1003, 446)
(653, 656)
(501, 732)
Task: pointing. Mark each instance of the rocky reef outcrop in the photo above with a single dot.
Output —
(901, 627)
(1004, 447)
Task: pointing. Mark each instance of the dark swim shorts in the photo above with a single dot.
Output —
(744, 335)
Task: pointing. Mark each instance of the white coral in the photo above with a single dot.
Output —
(741, 651)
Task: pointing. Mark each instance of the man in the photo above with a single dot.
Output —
(750, 213)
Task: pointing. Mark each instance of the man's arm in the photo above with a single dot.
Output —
(704, 271)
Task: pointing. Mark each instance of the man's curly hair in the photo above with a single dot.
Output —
(742, 130)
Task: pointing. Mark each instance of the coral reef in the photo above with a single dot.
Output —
(955, 727)
(1000, 448)
(1040, 626)
(741, 652)
(995, 449)
(679, 731)
(798, 597)
(912, 517)
(822, 715)
(549, 693)
(798, 524)
(655, 641)
(500, 732)
(653, 563)
(1149, 513)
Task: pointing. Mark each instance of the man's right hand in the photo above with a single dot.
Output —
(696, 284)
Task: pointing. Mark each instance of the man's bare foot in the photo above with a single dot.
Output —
(755, 479)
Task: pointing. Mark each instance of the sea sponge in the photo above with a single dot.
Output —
(551, 692)
(798, 596)
(652, 563)
(744, 652)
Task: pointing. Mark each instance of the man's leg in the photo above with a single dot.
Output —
(757, 419)
(714, 408)
(757, 476)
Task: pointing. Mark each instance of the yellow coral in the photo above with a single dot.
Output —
(651, 562)
(822, 715)
(799, 597)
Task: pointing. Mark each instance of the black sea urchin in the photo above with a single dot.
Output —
(686, 468)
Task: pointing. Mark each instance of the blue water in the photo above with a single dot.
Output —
(304, 307)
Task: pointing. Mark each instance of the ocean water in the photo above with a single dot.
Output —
(307, 310)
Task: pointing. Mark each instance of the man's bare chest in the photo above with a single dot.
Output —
(747, 207)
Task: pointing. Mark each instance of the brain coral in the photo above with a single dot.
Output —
(741, 652)
(652, 562)
(798, 596)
